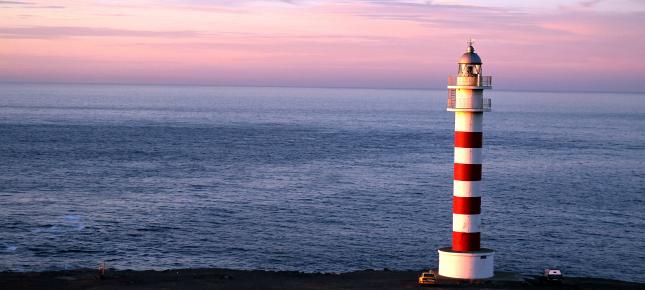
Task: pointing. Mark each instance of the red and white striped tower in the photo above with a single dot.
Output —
(466, 259)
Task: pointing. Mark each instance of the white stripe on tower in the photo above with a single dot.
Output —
(468, 122)
(466, 223)
(468, 155)
(467, 188)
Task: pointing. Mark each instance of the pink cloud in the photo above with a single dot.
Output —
(370, 43)
(42, 32)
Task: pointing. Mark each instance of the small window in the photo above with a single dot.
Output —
(483, 257)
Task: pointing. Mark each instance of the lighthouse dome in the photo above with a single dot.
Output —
(470, 56)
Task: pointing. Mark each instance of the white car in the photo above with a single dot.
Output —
(552, 275)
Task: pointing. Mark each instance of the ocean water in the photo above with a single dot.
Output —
(334, 180)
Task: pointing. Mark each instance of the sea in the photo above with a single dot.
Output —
(313, 179)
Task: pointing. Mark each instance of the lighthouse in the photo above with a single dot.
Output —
(466, 259)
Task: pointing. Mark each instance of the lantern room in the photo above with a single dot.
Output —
(470, 64)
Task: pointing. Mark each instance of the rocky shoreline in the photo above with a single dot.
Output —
(257, 279)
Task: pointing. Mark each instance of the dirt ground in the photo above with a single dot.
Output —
(239, 279)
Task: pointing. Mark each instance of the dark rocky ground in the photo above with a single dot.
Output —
(239, 279)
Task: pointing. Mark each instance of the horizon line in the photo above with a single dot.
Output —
(300, 86)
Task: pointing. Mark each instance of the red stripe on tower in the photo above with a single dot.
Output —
(465, 242)
(468, 172)
(469, 139)
(466, 205)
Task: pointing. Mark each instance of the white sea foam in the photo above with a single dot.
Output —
(68, 223)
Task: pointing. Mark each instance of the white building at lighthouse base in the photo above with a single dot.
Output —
(466, 265)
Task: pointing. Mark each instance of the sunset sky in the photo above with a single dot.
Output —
(525, 45)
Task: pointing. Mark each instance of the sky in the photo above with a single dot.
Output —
(566, 45)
